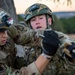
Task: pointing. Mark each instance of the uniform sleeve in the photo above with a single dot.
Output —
(64, 39)
(20, 34)
(23, 35)
(30, 70)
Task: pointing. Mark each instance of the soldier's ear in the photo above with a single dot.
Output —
(49, 21)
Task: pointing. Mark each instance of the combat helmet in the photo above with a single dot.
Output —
(3, 27)
(37, 9)
(5, 17)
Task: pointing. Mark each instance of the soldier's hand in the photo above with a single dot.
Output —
(70, 50)
(50, 42)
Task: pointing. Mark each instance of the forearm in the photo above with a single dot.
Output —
(41, 63)
(30, 70)
(36, 67)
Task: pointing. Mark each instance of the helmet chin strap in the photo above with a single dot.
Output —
(29, 25)
(48, 26)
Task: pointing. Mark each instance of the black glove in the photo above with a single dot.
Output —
(71, 49)
(50, 42)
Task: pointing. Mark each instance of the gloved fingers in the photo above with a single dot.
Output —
(70, 50)
(50, 37)
(71, 47)
(49, 33)
(66, 51)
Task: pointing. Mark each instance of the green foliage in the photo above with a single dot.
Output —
(58, 24)
(66, 25)
(69, 25)
(20, 18)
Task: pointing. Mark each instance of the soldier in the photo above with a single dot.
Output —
(7, 54)
(8, 51)
(39, 17)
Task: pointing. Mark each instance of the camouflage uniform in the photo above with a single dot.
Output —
(31, 44)
(8, 53)
(32, 50)
(60, 64)
(24, 36)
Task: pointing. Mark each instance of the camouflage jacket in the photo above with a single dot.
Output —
(32, 49)
(7, 56)
(9, 53)
(59, 64)
(25, 39)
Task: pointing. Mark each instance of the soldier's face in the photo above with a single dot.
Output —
(38, 22)
(3, 37)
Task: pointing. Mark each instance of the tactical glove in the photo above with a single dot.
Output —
(70, 50)
(50, 42)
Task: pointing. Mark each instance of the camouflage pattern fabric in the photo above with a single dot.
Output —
(24, 36)
(32, 44)
(32, 47)
(20, 35)
(7, 53)
(17, 35)
(29, 70)
(59, 65)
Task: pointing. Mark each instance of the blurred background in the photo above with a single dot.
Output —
(63, 12)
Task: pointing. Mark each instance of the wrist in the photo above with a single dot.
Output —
(46, 56)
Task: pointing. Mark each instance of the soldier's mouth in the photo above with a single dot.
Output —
(38, 27)
(4, 40)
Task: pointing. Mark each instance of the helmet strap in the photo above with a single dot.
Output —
(29, 25)
(48, 26)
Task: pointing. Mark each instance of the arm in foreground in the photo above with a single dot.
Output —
(36, 67)
(49, 49)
